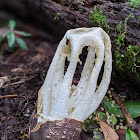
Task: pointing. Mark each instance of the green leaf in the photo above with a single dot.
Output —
(22, 33)
(132, 106)
(101, 114)
(11, 39)
(115, 110)
(130, 135)
(21, 43)
(3, 35)
(12, 24)
(84, 124)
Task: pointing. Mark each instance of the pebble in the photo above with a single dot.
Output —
(121, 127)
(121, 124)
(112, 89)
(121, 120)
(102, 108)
(109, 92)
(90, 117)
(124, 127)
(110, 96)
(117, 127)
(107, 113)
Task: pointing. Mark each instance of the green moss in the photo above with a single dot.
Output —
(130, 61)
(138, 22)
(99, 18)
(134, 3)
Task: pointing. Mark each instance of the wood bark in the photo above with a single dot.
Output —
(66, 129)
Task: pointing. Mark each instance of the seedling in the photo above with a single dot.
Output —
(120, 40)
(57, 16)
(134, 3)
(60, 105)
(13, 36)
(138, 23)
(99, 18)
(130, 135)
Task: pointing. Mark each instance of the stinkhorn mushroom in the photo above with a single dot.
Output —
(62, 109)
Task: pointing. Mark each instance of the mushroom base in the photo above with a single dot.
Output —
(66, 129)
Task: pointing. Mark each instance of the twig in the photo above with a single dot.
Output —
(5, 131)
(130, 121)
(8, 85)
(8, 96)
(19, 82)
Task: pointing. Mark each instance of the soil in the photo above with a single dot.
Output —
(30, 67)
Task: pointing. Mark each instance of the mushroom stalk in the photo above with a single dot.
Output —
(59, 106)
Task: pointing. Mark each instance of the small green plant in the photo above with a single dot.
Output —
(120, 40)
(12, 38)
(134, 3)
(119, 26)
(57, 16)
(99, 18)
(138, 23)
(131, 60)
(130, 135)
(121, 36)
(87, 121)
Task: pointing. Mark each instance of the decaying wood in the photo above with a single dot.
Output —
(60, 129)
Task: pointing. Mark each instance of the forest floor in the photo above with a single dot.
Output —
(26, 71)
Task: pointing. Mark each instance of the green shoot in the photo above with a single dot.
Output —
(99, 18)
(57, 16)
(130, 135)
(134, 3)
(120, 40)
(138, 23)
(12, 38)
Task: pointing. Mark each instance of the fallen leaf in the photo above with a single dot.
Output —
(108, 132)
(3, 80)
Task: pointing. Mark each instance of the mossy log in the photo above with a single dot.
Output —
(74, 14)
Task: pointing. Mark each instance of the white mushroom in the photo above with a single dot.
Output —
(55, 99)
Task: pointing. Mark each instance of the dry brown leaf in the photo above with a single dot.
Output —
(3, 80)
(108, 132)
